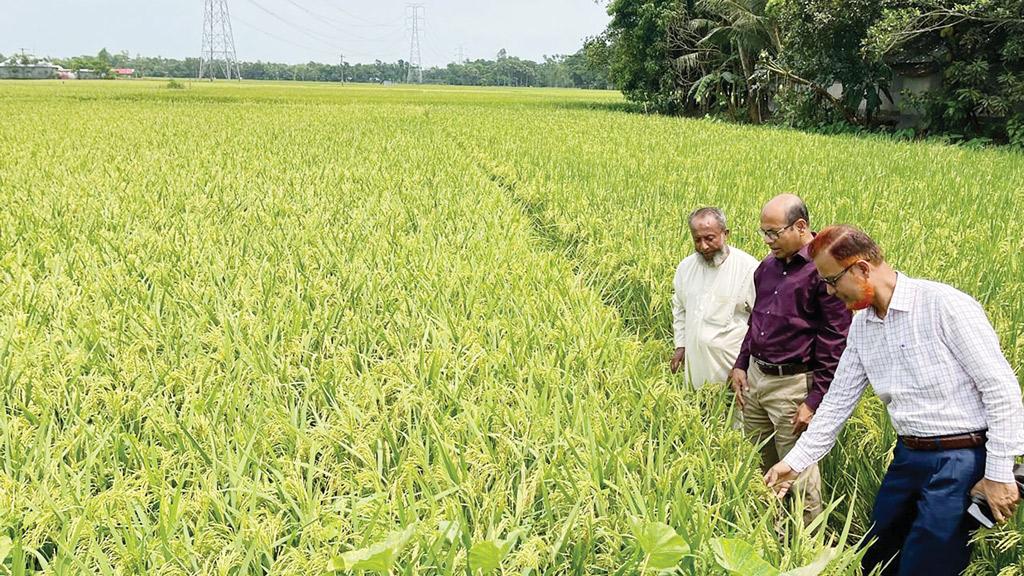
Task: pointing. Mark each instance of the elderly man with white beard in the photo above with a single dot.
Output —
(714, 293)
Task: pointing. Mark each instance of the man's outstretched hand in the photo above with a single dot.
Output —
(780, 478)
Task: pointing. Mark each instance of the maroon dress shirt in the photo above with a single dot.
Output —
(795, 320)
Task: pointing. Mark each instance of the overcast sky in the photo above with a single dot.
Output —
(297, 31)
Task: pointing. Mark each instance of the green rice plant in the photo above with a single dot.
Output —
(263, 328)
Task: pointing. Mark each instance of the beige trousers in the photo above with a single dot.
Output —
(771, 403)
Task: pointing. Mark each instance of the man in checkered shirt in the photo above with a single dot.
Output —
(932, 357)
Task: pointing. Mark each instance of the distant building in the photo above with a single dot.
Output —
(915, 72)
(123, 72)
(11, 70)
(87, 74)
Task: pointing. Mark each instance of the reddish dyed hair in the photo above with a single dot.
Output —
(847, 245)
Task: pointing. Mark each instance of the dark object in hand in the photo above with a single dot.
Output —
(979, 508)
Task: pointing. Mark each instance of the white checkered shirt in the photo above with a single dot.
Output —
(936, 364)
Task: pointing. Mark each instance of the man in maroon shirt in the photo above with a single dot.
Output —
(790, 353)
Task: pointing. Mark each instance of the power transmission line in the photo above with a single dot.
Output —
(280, 38)
(290, 42)
(333, 43)
(336, 23)
(415, 57)
(313, 33)
(364, 22)
(218, 41)
(430, 46)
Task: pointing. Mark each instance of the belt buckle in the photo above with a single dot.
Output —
(769, 368)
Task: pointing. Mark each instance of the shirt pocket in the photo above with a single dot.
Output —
(926, 365)
(719, 311)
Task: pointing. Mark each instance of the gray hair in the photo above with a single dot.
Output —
(797, 211)
(717, 213)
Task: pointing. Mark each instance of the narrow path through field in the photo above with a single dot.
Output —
(627, 295)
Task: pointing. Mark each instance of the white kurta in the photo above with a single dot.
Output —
(710, 309)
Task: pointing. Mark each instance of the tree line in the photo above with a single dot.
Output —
(587, 68)
(826, 64)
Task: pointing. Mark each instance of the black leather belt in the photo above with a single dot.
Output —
(951, 442)
(781, 369)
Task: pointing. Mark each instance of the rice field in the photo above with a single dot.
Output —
(299, 328)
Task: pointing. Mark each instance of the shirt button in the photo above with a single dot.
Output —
(762, 333)
(783, 273)
(776, 292)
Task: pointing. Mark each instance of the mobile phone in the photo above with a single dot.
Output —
(980, 511)
(979, 508)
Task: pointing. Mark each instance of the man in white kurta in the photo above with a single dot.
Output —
(714, 294)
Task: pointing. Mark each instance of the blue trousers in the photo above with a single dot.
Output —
(920, 515)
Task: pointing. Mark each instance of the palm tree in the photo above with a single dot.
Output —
(725, 40)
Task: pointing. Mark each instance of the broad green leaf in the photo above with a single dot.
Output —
(816, 567)
(336, 564)
(376, 558)
(379, 557)
(663, 547)
(740, 558)
(487, 555)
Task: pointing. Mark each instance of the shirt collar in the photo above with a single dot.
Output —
(902, 297)
(902, 294)
(805, 252)
(801, 257)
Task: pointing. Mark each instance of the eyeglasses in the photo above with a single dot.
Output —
(833, 280)
(773, 235)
